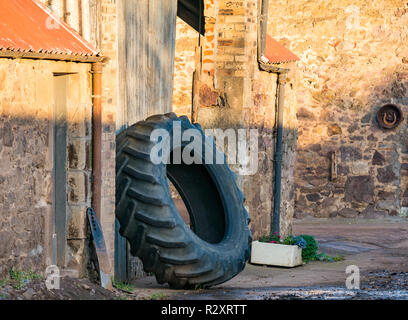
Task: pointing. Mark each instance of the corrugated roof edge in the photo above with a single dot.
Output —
(282, 61)
(68, 28)
(277, 53)
(18, 54)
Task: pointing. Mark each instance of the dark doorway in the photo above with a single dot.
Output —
(60, 169)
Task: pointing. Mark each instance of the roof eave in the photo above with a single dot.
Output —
(6, 53)
(268, 67)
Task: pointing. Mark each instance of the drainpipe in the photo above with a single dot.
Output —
(280, 96)
(103, 260)
(197, 72)
(278, 152)
(263, 26)
(97, 138)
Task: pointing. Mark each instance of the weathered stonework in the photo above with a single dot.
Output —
(184, 66)
(96, 21)
(26, 162)
(353, 61)
(231, 92)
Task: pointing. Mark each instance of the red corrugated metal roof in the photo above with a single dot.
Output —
(277, 53)
(29, 26)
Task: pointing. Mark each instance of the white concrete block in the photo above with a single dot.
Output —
(276, 254)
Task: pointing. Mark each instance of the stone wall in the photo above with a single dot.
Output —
(231, 92)
(353, 60)
(26, 162)
(184, 66)
(261, 115)
(96, 21)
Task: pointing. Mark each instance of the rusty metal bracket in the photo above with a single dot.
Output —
(333, 167)
(100, 248)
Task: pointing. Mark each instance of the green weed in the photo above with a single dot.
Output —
(158, 296)
(19, 278)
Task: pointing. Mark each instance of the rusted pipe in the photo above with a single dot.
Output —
(97, 137)
(103, 260)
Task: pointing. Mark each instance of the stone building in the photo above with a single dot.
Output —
(353, 60)
(96, 22)
(46, 135)
(218, 83)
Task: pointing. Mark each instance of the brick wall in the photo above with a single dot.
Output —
(353, 61)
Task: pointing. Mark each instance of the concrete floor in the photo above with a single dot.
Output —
(372, 245)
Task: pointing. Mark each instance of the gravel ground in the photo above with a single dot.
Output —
(380, 285)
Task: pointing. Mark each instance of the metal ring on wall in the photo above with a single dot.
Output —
(389, 116)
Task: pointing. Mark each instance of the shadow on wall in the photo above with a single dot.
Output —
(259, 188)
(26, 189)
(347, 165)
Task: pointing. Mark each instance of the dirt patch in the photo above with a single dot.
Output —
(70, 289)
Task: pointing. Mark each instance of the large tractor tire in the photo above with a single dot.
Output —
(216, 245)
